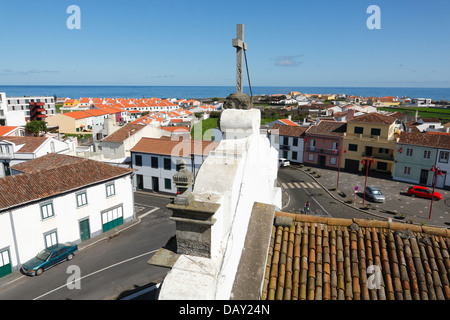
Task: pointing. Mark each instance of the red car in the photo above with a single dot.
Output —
(423, 192)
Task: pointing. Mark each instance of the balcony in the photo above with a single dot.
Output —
(322, 150)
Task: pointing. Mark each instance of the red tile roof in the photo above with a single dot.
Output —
(286, 130)
(374, 117)
(64, 174)
(320, 258)
(123, 133)
(77, 114)
(174, 147)
(29, 144)
(6, 129)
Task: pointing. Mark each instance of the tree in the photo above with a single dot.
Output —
(35, 127)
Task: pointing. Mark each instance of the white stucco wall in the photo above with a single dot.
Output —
(240, 171)
(23, 229)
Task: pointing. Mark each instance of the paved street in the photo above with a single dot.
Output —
(112, 265)
(298, 182)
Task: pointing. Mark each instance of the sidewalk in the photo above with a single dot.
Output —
(398, 206)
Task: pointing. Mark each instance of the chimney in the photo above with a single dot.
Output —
(350, 114)
(416, 117)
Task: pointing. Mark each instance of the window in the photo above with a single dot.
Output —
(168, 184)
(285, 141)
(110, 190)
(47, 210)
(167, 164)
(426, 154)
(383, 150)
(359, 130)
(375, 132)
(382, 166)
(51, 239)
(81, 199)
(138, 160)
(409, 152)
(295, 142)
(333, 160)
(312, 144)
(407, 171)
(443, 156)
(294, 155)
(353, 147)
(311, 157)
(154, 162)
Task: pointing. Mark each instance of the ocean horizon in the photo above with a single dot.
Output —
(202, 92)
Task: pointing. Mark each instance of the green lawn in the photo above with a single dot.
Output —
(199, 129)
(442, 114)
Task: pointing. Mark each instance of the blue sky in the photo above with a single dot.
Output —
(188, 42)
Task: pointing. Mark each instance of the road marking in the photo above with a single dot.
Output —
(303, 185)
(318, 203)
(309, 185)
(98, 271)
(297, 185)
(316, 185)
(291, 185)
(284, 185)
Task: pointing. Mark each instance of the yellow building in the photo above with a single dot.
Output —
(71, 102)
(370, 136)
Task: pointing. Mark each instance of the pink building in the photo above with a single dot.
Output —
(322, 143)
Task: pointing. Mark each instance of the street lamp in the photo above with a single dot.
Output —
(436, 171)
(339, 163)
(367, 161)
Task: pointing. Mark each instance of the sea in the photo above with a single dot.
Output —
(203, 92)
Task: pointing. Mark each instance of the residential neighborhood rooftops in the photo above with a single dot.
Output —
(320, 258)
(64, 173)
(174, 146)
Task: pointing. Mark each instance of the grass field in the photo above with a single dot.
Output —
(442, 114)
(199, 129)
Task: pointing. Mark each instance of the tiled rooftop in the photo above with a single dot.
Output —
(374, 117)
(64, 174)
(174, 147)
(29, 144)
(123, 133)
(425, 139)
(326, 127)
(287, 130)
(319, 258)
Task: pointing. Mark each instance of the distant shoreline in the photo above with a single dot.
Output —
(205, 92)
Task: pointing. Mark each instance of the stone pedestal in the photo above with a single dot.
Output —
(193, 227)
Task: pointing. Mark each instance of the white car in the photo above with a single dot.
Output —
(284, 162)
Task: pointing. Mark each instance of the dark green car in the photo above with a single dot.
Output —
(49, 257)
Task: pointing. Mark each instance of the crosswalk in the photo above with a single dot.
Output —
(300, 185)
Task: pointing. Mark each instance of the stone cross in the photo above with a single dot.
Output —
(240, 46)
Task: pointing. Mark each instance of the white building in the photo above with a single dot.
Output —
(443, 163)
(60, 198)
(15, 111)
(15, 150)
(157, 160)
(289, 141)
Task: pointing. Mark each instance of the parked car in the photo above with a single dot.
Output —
(49, 257)
(374, 194)
(423, 192)
(284, 162)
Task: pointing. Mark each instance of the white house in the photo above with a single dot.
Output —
(288, 140)
(15, 150)
(59, 198)
(443, 163)
(157, 160)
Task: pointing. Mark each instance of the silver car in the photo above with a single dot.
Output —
(374, 194)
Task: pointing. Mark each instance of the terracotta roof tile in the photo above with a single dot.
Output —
(287, 130)
(320, 258)
(123, 133)
(328, 127)
(36, 184)
(374, 117)
(425, 139)
(30, 144)
(174, 146)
